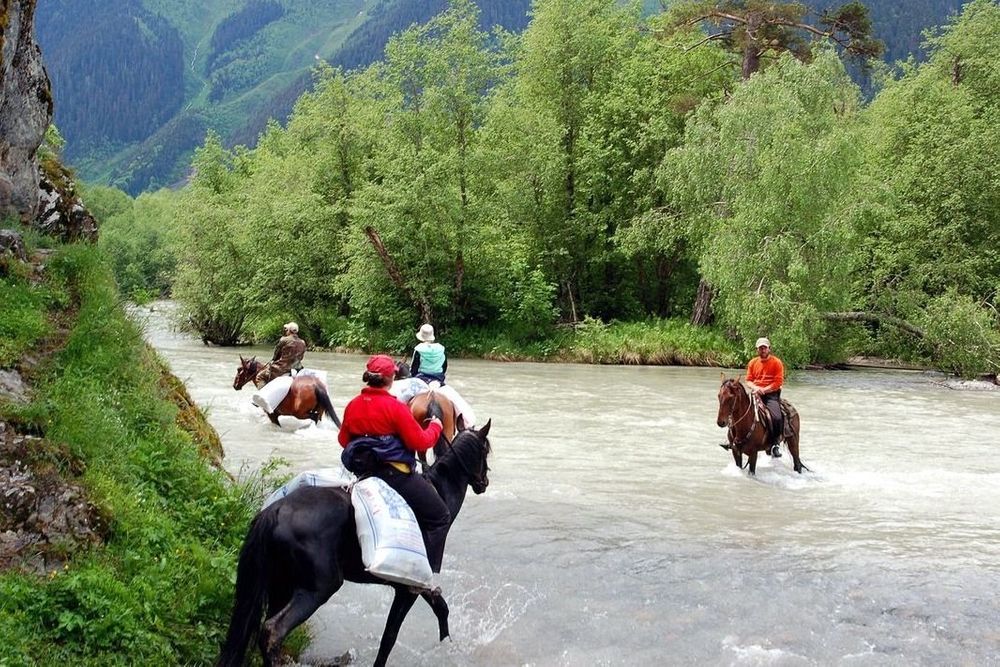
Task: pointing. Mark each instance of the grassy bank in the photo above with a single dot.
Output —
(654, 342)
(157, 588)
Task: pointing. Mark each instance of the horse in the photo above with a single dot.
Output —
(747, 433)
(433, 404)
(307, 398)
(299, 551)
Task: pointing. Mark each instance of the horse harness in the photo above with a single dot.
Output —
(755, 405)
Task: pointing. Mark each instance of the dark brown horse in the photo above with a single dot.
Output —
(307, 397)
(300, 550)
(748, 433)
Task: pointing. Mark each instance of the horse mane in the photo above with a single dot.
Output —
(468, 446)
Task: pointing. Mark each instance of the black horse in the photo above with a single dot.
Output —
(300, 550)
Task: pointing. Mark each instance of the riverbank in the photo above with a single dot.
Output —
(118, 535)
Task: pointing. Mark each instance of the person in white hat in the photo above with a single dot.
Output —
(765, 375)
(288, 354)
(429, 363)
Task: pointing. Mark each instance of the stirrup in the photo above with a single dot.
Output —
(776, 451)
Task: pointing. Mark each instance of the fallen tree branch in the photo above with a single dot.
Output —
(860, 316)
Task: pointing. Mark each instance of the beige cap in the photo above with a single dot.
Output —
(763, 342)
(292, 327)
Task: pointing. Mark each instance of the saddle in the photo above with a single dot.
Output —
(788, 411)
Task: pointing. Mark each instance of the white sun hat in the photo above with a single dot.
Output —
(426, 333)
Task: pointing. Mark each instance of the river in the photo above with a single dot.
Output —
(615, 531)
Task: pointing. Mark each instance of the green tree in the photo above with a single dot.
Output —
(213, 279)
(763, 182)
(932, 164)
(141, 237)
(756, 29)
(414, 216)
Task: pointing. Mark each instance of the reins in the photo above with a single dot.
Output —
(461, 464)
(739, 442)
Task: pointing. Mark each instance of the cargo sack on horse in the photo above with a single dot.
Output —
(303, 396)
(748, 426)
(299, 551)
(392, 546)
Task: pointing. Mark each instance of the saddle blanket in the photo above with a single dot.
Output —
(270, 396)
(407, 388)
(322, 477)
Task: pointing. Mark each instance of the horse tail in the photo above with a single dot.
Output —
(323, 399)
(251, 590)
(434, 409)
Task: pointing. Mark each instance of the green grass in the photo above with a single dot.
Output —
(158, 592)
(652, 342)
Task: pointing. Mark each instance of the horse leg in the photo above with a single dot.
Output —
(752, 461)
(440, 609)
(401, 605)
(738, 457)
(793, 447)
(302, 605)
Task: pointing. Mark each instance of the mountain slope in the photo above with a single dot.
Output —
(138, 82)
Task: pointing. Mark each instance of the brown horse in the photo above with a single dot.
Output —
(432, 404)
(748, 433)
(307, 397)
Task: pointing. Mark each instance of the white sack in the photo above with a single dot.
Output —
(391, 544)
(270, 396)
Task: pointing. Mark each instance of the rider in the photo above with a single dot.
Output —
(429, 361)
(765, 375)
(377, 425)
(288, 355)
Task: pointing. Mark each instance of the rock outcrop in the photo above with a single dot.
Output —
(25, 109)
(61, 212)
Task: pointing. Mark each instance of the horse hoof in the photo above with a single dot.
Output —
(725, 445)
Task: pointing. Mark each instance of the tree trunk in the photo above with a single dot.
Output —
(396, 275)
(703, 315)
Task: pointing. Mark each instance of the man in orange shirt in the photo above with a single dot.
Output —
(765, 375)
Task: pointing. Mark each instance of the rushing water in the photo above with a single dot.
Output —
(615, 531)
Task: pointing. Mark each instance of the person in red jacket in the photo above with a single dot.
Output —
(765, 375)
(380, 437)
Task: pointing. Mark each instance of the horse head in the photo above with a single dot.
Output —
(729, 398)
(481, 480)
(402, 370)
(245, 372)
(470, 450)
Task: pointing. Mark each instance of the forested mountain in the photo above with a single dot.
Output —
(137, 83)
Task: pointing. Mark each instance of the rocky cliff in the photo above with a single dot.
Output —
(25, 109)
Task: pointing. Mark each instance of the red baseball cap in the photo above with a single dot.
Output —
(381, 364)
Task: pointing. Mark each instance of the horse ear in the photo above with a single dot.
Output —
(485, 430)
(722, 377)
(739, 379)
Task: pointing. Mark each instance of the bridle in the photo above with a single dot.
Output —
(247, 373)
(731, 423)
(479, 481)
